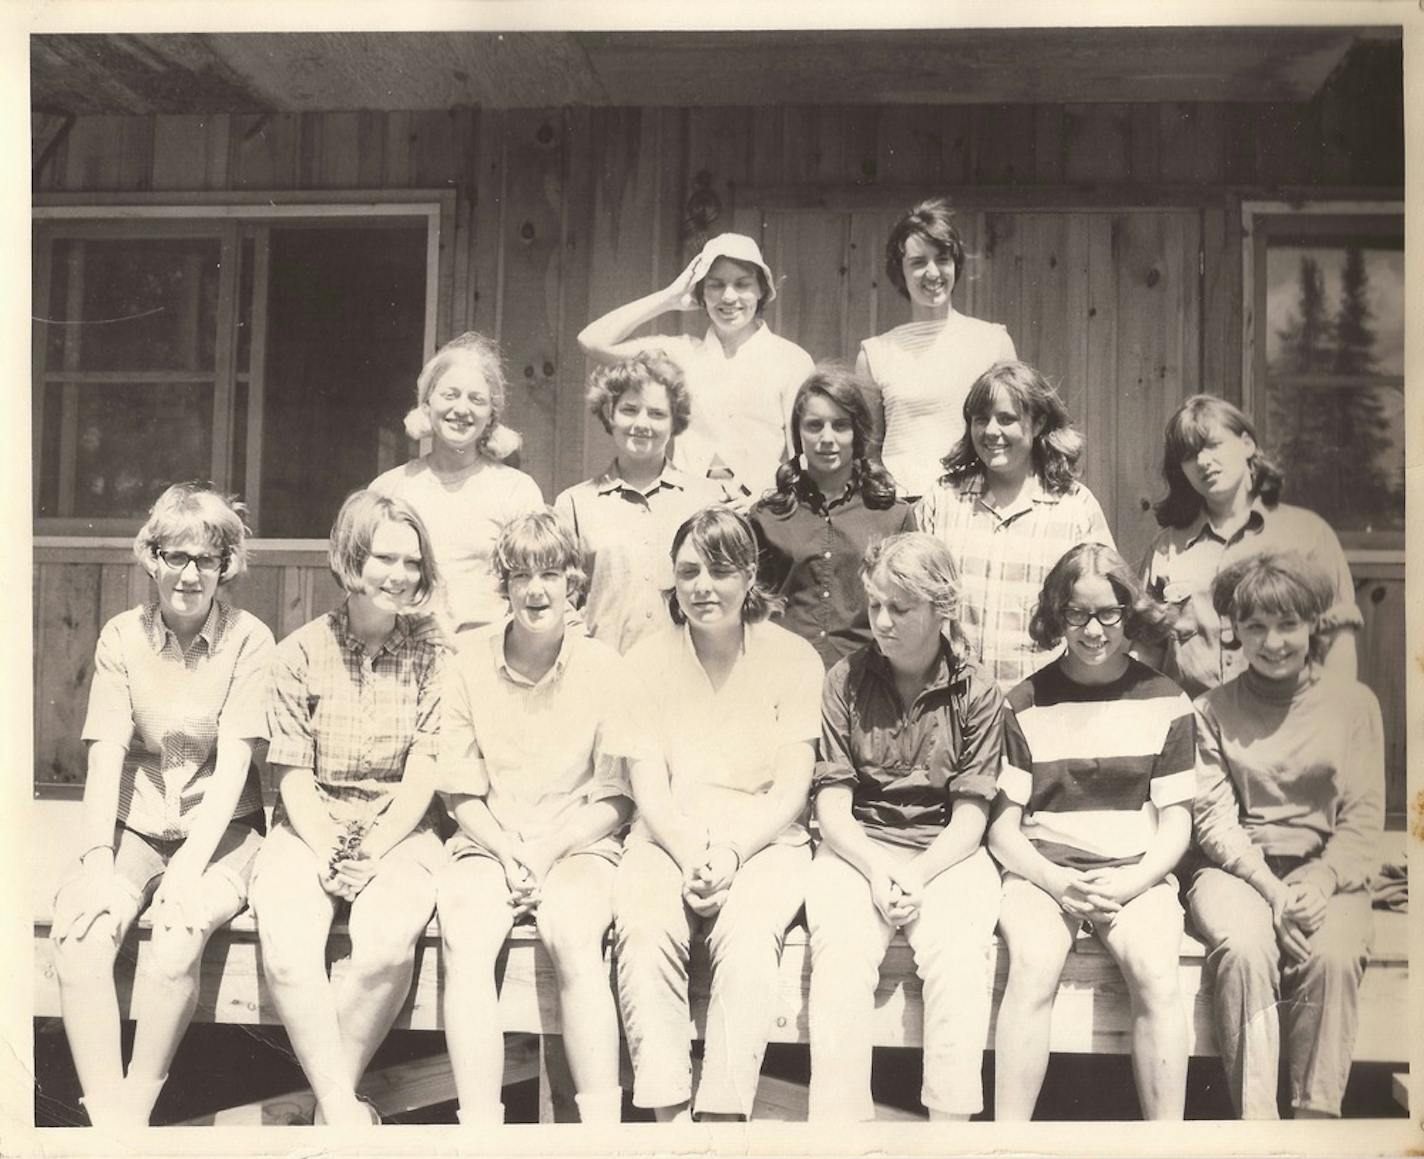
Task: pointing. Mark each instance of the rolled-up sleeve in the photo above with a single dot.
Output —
(110, 713)
(244, 713)
(288, 713)
(835, 765)
(981, 745)
(460, 767)
(799, 705)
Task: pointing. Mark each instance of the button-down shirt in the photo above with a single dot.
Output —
(721, 744)
(906, 765)
(1003, 556)
(627, 533)
(537, 751)
(1184, 561)
(741, 404)
(353, 716)
(171, 709)
(811, 556)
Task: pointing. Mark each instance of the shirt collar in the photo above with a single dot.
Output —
(341, 621)
(158, 632)
(501, 659)
(811, 495)
(949, 669)
(611, 480)
(711, 342)
(1200, 527)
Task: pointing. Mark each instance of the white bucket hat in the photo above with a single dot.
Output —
(739, 247)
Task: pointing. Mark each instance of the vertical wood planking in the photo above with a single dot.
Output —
(575, 265)
(532, 142)
(1097, 144)
(263, 150)
(1383, 658)
(108, 154)
(68, 630)
(1003, 144)
(190, 152)
(811, 249)
(1221, 303)
(115, 589)
(1099, 317)
(259, 591)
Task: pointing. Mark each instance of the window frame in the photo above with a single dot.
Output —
(225, 216)
(1255, 233)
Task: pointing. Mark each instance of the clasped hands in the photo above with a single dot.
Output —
(1297, 911)
(348, 871)
(1095, 895)
(708, 867)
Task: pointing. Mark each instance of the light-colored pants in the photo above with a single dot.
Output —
(654, 931)
(950, 939)
(1251, 982)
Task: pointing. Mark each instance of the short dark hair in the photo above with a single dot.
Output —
(1146, 620)
(608, 384)
(1283, 582)
(724, 538)
(932, 220)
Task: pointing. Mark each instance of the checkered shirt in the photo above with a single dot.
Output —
(170, 709)
(1003, 557)
(354, 717)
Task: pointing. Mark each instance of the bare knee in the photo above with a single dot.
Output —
(86, 957)
(1153, 980)
(173, 955)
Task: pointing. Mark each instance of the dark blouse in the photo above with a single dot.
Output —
(812, 555)
(906, 765)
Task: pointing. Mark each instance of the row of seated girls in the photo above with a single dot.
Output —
(786, 685)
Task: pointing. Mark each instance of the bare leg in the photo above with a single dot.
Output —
(1038, 938)
(166, 992)
(475, 918)
(387, 920)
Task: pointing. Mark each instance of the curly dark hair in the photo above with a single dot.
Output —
(1187, 432)
(608, 384)
(842, 387)
(1057, 445)
(1147, 621)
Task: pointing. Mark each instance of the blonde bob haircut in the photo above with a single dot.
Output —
(496, 441)
(355, 528)
(920, 566)
(539, 541)
(199, 511)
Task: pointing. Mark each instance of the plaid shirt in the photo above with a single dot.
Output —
(170, 709)
(355, 718)
(1003, 557)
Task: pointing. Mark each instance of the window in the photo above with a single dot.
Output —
(271, 349)
(1325, 360)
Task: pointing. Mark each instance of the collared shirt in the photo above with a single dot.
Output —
(171, 709)
(1003, 557)
(1092, 764)
(811, 556)
(721, 744)
(537, 751)
(906, 765)
(1184, 561)
(924, 371)
(352, 716)
(741, 404)
(627, 533)
(1295, 772)
(464, 513)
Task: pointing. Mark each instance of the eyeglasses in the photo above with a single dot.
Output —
(178, 560)
(1108, 617)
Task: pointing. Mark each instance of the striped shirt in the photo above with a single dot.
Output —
(171, 709)
(1003, 557)
(1092, 764)
(355, 717)
(924, 371)
(627, 535)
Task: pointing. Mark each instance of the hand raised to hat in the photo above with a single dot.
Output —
(680, 291)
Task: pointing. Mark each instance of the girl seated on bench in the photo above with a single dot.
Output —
(354, 714)
(1094, 812)
(719, 851)
(535, 753)
(172, 803)
(912, 733)
(1288, 815)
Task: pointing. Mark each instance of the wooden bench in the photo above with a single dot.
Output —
(1091, 1015)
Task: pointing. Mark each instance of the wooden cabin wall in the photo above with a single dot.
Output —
(565, 213)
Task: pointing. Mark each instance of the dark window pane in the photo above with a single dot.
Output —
(146, 304)
(244, 306)
(132, 441)
(1343, 452)
(58, 292)
(345, 337)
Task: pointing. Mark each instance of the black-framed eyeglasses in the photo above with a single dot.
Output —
(1108, 617)
(178, 560)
